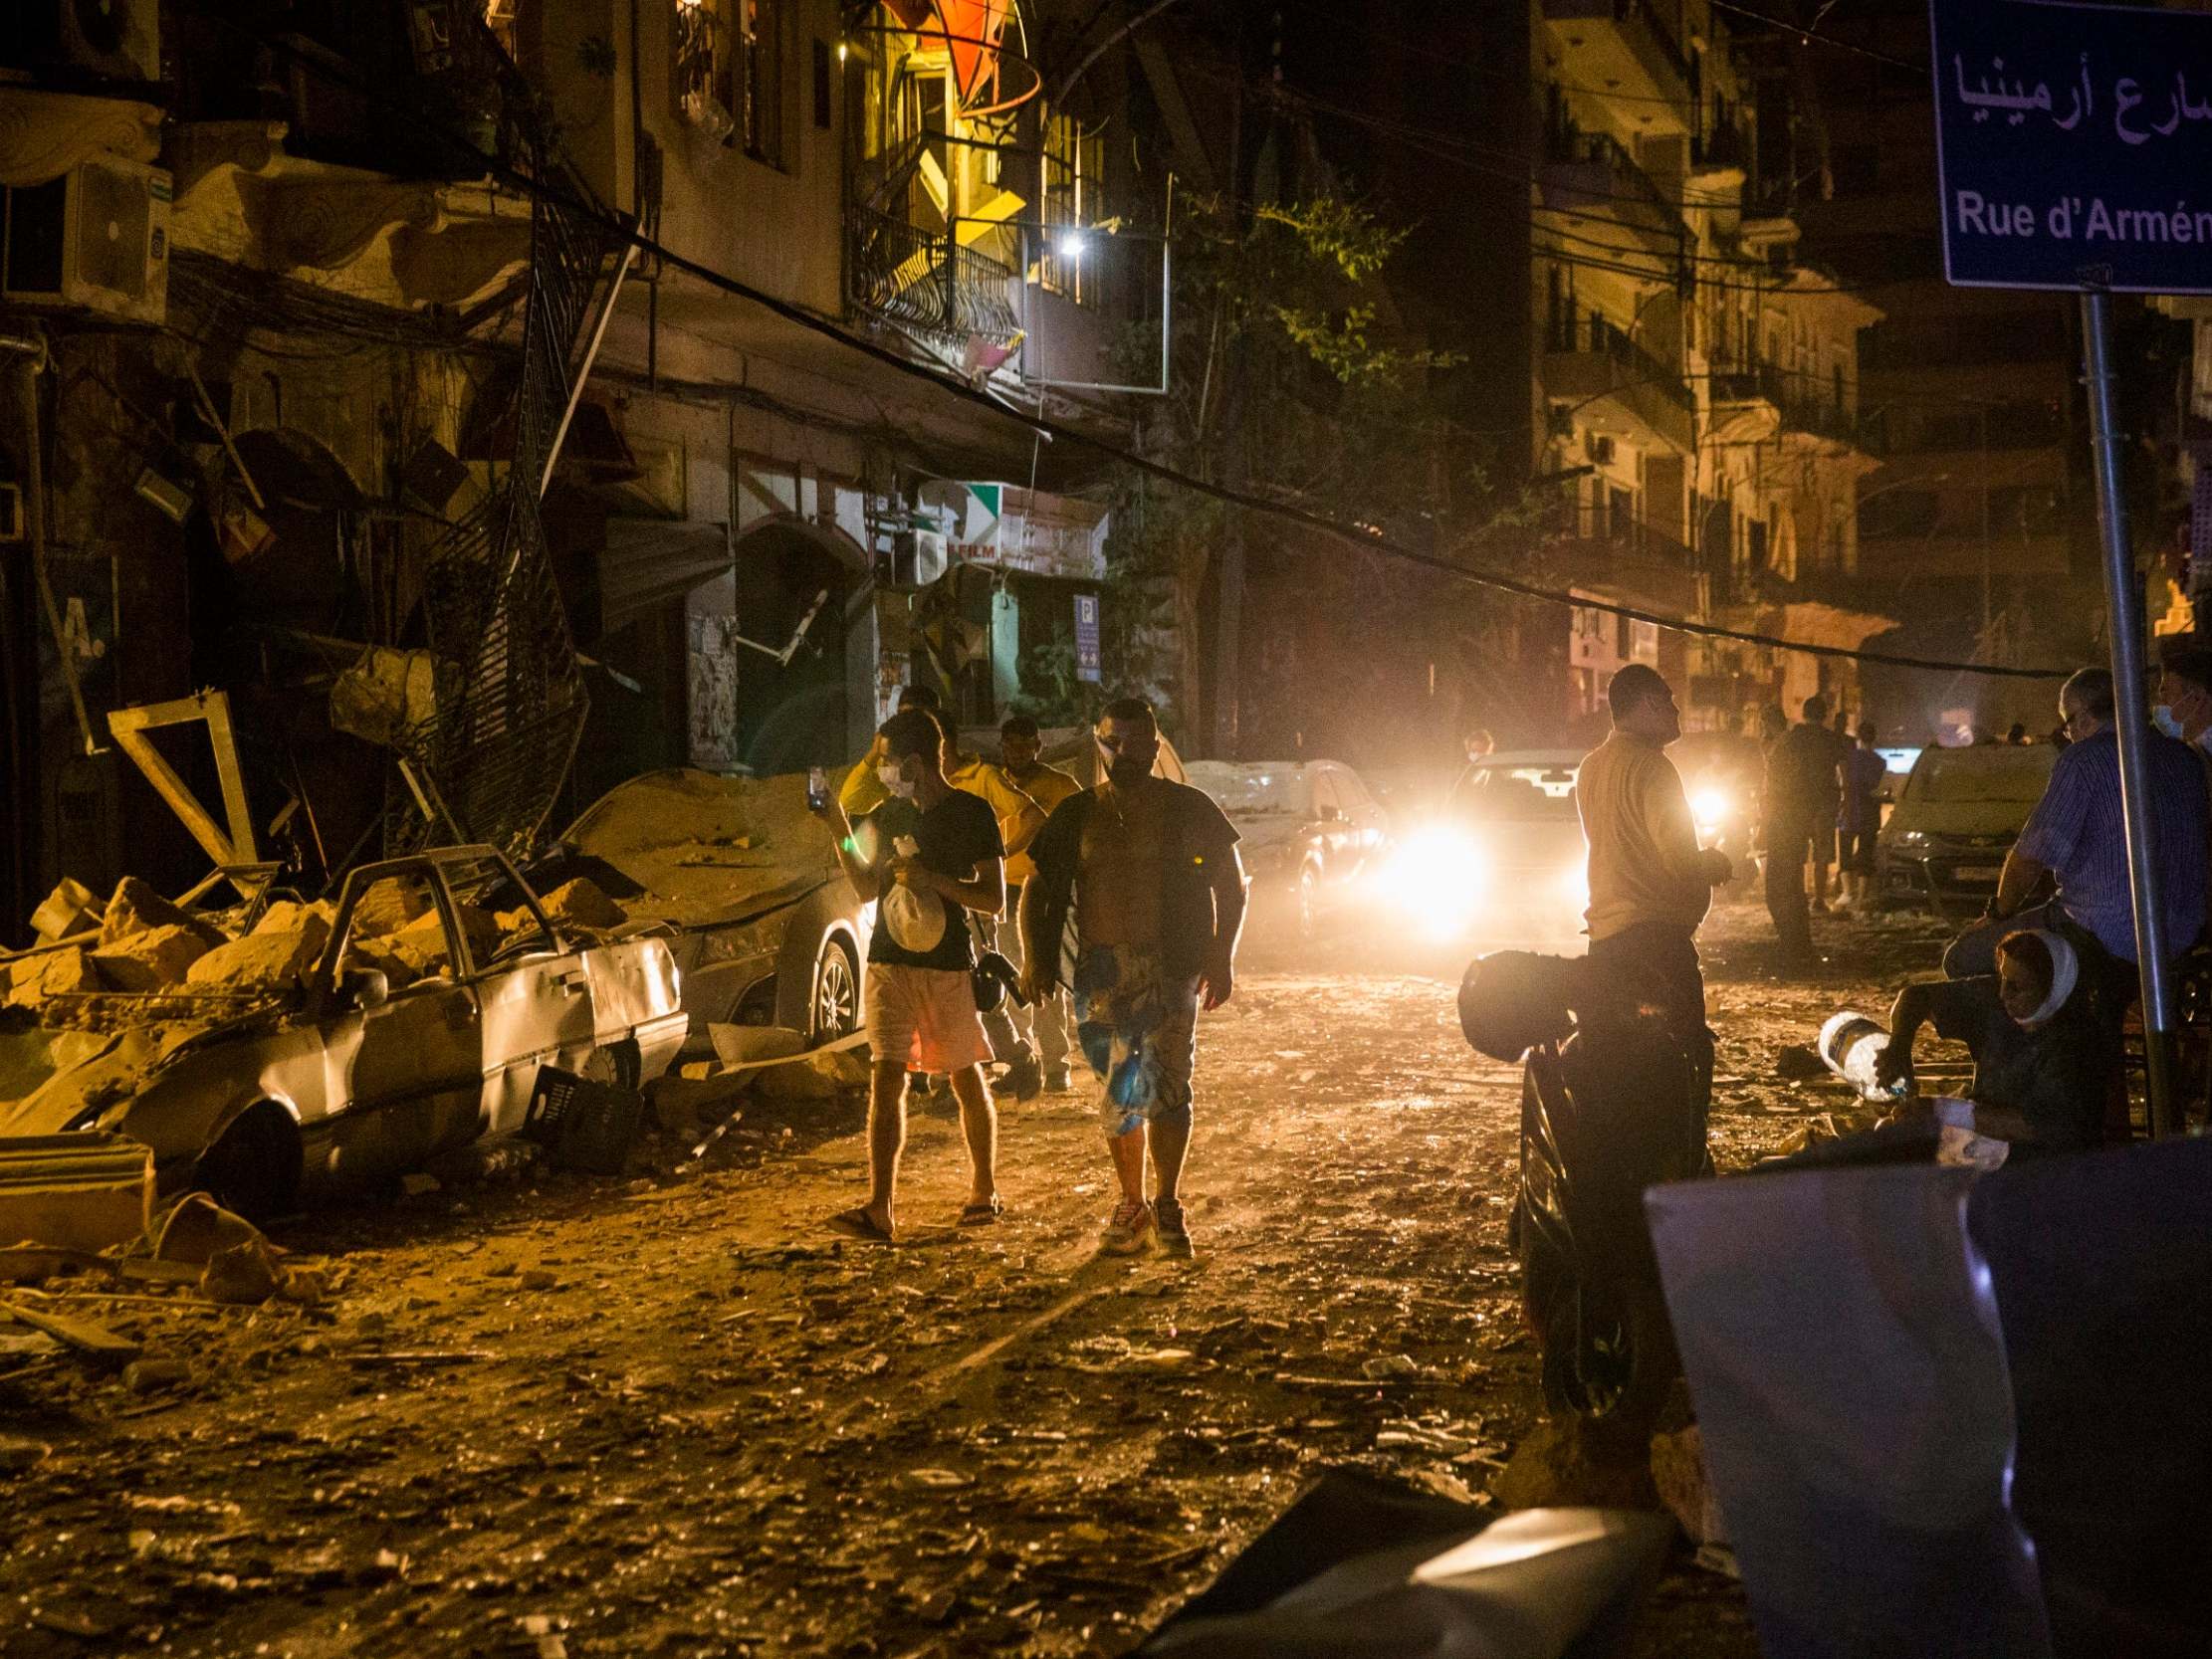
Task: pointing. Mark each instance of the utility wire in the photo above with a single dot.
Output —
(625, 229)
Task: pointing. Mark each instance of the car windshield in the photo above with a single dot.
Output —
(1254, 790)
(1988, 774)
(1522, 792)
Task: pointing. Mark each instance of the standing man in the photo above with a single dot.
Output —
(2185, 689)
(928, 856)
(2076, 835)
(1044, 1026)
(1858, 821)
(1650, 882)
(1803, 790)
(1150, 868)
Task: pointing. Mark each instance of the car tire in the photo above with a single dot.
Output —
(834, 994)
(1305, 899)
(252, 1168)
(618, 1063)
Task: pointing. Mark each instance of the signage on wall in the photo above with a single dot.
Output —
(1088, 667)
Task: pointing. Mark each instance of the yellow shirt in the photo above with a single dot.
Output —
(1048, 786)
(1644, 864)
(863, 792)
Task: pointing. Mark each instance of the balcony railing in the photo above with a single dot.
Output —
(926, 280)
(1570, 146)
(1632, 13)
(1591, 333)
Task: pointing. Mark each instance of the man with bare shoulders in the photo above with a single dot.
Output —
(1149, 868)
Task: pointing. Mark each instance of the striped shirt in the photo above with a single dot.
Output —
(2076, 832)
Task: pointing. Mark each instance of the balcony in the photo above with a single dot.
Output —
(1623, 391)
(1591, 172)
(1622, 47)
(926, 281)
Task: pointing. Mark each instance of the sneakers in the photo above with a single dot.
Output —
(1058, 1081)
(1128, 1230)
(1174, 1236)
(1023, 1079)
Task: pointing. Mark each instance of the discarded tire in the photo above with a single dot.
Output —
(583, 1125)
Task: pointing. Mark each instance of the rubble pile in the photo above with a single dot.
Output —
(692, 845)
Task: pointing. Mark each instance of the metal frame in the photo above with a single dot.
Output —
(1167, 312)
(129, 728)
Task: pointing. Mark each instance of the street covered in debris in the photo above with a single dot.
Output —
(669, 1414)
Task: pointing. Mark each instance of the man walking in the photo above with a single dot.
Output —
(1857, 822)
(1650, 882)
(1044, 1027)
(1803, 790)
(928, 856)
(1150, 871)
(2076, 835)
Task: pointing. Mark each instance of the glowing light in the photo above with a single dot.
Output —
(1436, 879)
(842, 51)
(1708, 807)
(1070, 245)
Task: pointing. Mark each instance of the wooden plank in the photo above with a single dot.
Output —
(172, 789)
(82, 1334)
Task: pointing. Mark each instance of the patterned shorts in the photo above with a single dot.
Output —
(1139, 1030)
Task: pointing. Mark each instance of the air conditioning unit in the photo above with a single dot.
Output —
(97, 238)
(914, 559)
(108, 40)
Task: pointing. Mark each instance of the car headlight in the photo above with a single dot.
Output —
(1911, 841)
(1707, 809)
(1435, 875)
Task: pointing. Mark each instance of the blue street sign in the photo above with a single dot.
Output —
(2074, 145)
(1086, 638)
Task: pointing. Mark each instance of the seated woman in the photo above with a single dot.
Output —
(2043, 1058)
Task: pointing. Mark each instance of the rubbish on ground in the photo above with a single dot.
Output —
(244, 1275)
(582, 1125)
(743, 1045)
(197, 1229)
(1798, 1063)
(1850, 1044)
(1577, 1462)
(143, 1376)
(18, 1453)
(1686, 1485)
(82, 1334)
(419, 1183)
(80, 1191)
(1391, 1365)
(425, 1358)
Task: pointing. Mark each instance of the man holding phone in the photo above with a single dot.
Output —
(1150, 869)
(928, 856)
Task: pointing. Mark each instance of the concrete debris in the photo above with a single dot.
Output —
(581, 904)
(18, 1453)
(148, 1376)
(95, 1340)
(1578, 1462)
(72, 908)
(151, 959)
(387, 907)
(288, 917)
(818, 1077)
(66, 972)
(386, 693)
(245, 1275)
(273, 961)
(419, 1185)
(1686, 1485)
(78, 1191)
(135, 908)
(197, 1229)
(397, 970)
(742, 1045)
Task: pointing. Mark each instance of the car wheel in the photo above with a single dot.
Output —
(252, 1168)
(618, 1063)
(1307, 914)
(833, 1004)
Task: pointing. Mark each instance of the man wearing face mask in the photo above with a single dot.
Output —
(928, 856)
(2185, 690)
(1150, 869)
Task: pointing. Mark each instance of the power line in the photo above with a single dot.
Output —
(1803, 31)
(624, 228)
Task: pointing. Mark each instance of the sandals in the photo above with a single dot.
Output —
(982, 1214)
(858, 1223)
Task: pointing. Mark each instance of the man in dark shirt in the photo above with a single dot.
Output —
(1802, 792)
(1149, 870)
(929, 855)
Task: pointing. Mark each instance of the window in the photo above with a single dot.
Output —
(1071, 166)
(1899, 511)
(765, 36)
(821, 83)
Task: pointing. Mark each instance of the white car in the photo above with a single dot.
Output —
(349, 1076)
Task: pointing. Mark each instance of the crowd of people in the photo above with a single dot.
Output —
(1128, 899)
(2037, 988)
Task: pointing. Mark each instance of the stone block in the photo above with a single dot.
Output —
(151, 959)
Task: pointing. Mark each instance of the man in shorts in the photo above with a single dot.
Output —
(928, 856)
(1150, 871)
(1044, 1028)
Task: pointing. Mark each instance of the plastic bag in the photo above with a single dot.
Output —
(916, 920)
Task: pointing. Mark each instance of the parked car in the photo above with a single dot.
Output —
(1507, 849)
(763, 927)
(349, 1074)
(1310, 831)
(1958, 814)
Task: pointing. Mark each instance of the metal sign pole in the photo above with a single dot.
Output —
(2126, 614)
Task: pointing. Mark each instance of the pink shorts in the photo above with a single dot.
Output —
(925, 1017)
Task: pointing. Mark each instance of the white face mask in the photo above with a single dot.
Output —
(895, 780)
(2166, 721)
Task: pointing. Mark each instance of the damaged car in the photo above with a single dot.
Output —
(332, 1045)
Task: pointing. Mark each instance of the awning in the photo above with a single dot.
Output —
(649, 561)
